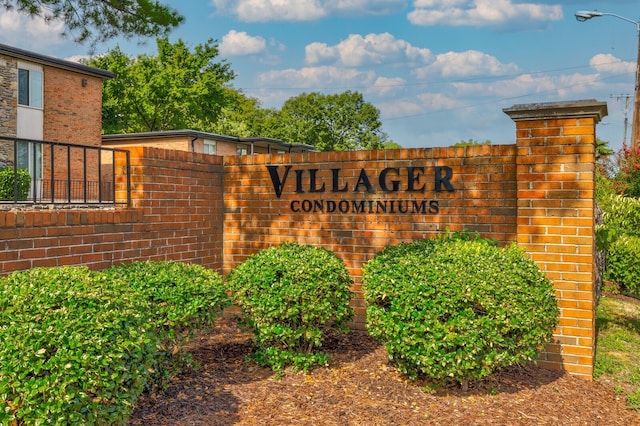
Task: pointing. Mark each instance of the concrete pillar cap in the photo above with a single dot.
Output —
(556, 110)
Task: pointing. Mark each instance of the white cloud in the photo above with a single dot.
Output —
(480, 13)
(357, 50)
(399, 108)
(462, 64)
(316, 77)
(610, 64)
(278, 86)
(239, 43)
(271, 10)
(386, 85)
(365, 7)
(438, 101)
(80, 59)
(304, 10)
(525, 85)
(20, 30)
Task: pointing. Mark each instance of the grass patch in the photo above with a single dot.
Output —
(618, 347)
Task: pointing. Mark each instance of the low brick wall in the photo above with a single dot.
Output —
(175, 215)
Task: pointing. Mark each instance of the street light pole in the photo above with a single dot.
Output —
(584, 15)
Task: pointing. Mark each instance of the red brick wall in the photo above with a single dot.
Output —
(176, 211)
(484, 200)
(72, 113)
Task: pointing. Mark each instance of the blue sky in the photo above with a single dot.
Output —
(439, 71)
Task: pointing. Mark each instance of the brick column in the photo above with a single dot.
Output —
(555, 224)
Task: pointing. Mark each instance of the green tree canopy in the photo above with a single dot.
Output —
(100, 20)
(472, 142)
(603, 149)
(244, 117)
(177, 89)
(336, 122)
(391, 145)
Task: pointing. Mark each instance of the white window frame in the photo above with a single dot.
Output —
(35, 85)
(210, 147)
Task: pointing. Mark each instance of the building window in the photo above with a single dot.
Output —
(241, 151)
(210, 147)
(30, 88)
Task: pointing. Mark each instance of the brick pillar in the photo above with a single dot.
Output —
(556, 198)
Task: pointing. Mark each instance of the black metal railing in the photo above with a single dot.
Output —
(44, 172)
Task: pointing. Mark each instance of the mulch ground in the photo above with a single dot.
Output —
(360, 387)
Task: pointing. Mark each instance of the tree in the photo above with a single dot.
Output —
(243, 117)
(337, 122)
(178, 89)
(101, 20)
(472, 142)
(391, 145)
(602, 149)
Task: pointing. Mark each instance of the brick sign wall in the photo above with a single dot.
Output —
(216, 211)
(356, 203)
(538, 193)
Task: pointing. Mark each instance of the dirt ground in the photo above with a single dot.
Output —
(360, 387)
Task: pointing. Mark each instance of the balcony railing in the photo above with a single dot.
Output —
(63, 173)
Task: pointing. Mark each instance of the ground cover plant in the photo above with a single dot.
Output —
(79, 347)
(291, 295)
(458, 308)
(618, 346)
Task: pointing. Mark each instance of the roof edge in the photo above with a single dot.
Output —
(54, 62)
(200, 134)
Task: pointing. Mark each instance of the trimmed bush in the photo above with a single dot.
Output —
(7, 180)
(184, 296)
(76, 348)
(623, 264)
(79, 347)
(620, 236)
(621, 217)
(455, 308)
(290, 295)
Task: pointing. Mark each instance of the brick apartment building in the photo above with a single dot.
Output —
(48, 99)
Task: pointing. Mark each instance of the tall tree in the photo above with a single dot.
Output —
(244, 117)
(177, 89)
(336, 122)
(472, 142)
(603, 149)
(100, 20)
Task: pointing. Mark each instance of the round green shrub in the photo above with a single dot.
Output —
(79, 347)
(290, 295)
(184, 296)
(76, 348)
(454, 309)
(623, 264)
(7, 184)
